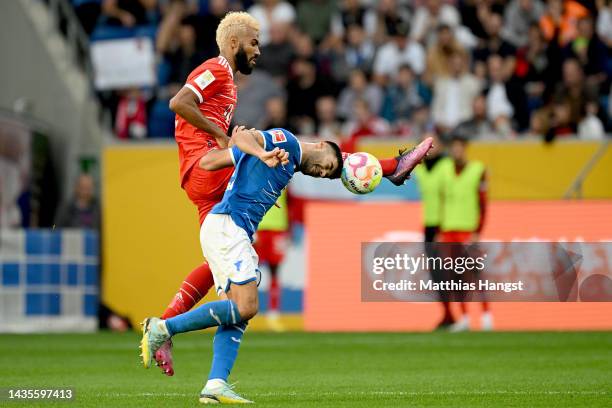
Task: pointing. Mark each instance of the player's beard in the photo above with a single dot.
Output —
(242, 62)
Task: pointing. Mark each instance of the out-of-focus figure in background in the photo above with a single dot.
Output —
(83, 210)
(464, 198)
(270, 245)
(14, 171)
(429, 181)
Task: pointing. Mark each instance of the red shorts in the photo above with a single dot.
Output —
(205, 188)
(455, 236)
(271, 246)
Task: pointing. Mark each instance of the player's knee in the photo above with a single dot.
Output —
(248, 309)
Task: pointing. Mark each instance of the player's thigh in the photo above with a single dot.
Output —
(229, 252)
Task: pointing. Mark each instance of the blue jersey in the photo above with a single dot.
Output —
(254, 187)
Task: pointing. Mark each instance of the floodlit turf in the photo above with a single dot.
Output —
(327, 370)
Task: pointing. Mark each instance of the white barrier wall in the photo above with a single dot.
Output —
(48, 280)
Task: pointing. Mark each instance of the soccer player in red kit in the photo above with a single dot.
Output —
(204, 108)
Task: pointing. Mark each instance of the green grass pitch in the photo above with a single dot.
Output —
(326, 370)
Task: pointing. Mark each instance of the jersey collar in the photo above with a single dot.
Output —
(226, 64)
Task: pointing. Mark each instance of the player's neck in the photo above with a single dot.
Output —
(230, 60)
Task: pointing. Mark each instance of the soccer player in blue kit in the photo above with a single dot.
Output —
(265, 162)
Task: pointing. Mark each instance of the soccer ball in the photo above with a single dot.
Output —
(361, 173)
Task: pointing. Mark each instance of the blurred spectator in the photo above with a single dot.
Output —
(129, 13)
(83, 210)
(518, 18)
(604, 21)
(441, 51)
(560, 20)
(360, 50)
(131, 116)
(478, 126)
(400, 50)
(404, 95)
(270, 12)
(589, 50)
(276, 57)
(303, 45)
(590, 127)
(276, 114)
(254, 91)
(474, 14)
(494, 44)
(506, 98)
(15, 171)
(206, 27)
(532, 67)
(328, 125)
(304, 89)
(314, 17)
(88, 12)
(339, 59)
(177, 46)
(431, 15)
(574, 93)
(365, 123)
(453, 95)
(351, 13)
(381, 19)
(359, 88)
(419, 124)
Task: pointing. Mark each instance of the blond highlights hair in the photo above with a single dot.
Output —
(234, 23)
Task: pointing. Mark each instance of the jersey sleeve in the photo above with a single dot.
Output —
(284, 139)
(236, 154)
(207, 81)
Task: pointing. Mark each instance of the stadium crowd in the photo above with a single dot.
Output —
(362, 68)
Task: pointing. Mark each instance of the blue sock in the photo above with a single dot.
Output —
(218, 313)
(225, 350)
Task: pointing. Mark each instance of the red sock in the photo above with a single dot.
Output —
(485, 306)
(388, 166)
(463, 308)
(274, 299)
(192, 290)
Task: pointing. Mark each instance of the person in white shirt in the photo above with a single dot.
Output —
(268, 12)
(453, 95)
(400, 50)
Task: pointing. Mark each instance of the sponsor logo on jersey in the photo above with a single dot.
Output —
(204, 79)
(278, 136)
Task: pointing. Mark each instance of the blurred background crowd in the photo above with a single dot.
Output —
(361, 68)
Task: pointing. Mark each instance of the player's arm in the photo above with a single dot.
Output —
(216, 159)
(185, 104)
(253, 143)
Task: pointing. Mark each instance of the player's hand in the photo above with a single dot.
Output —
(283, 156)
(272, 158)
(235, 130)
(127, 19)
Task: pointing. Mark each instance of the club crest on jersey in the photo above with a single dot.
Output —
(204, 79)
(278, 136)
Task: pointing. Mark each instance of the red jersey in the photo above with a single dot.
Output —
(213, 84)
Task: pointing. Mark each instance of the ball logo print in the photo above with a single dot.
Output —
(361, 173)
